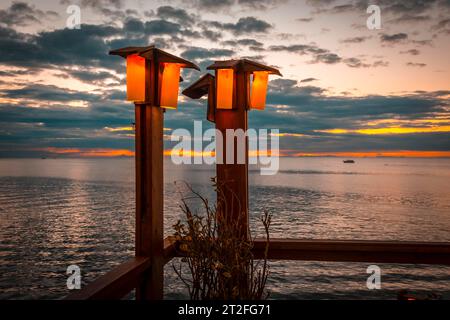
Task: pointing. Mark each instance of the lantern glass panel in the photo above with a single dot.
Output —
(225, 79)
(135, 78)
(259, 90)
(169, 85)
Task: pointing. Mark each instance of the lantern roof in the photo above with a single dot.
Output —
(200, 87)
(243, 65)
(151, 52)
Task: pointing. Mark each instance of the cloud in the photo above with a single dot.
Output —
(111, 9)
(179, 15)
(413, 52)
(198, 53)
(305, 19)
(408, 12)
(321, 55)
(355, 40)
(47, 93)
(246, 25)
(85, 47)
(328, 58)
(416, 64)
(225, 5)
(159, 27)
(260, 4)
(308, 80)
(443, 26)
(252, 44)
(393, 38)
(22, 14)
(356, 63)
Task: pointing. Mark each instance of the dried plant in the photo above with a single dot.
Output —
(218, 252)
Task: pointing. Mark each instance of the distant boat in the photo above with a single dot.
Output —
(349, 161)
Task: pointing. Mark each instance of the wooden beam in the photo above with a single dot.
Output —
(116, 283)
(356, 251)
(353, 251)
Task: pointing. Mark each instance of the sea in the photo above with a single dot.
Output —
(55, 213)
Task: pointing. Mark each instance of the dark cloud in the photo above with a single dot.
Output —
(380, 63)
(356, 63)
(246, 25)
(225, 5)
(197, 53)
(90, 76)
(308, 80)
(413, 52)
(393, 38)
(416, 64)
(423, 42)
(305, 19)
(408, 18)
(47, 93)
(320, 55)
(176, 14)
(442, 27)
(355, 40)
(260, 4)
(394, 7)
(111, 9)
(23, 14)
(85, 47)
(211, 35)
(328, 58)
(251, 43)
(159, 27)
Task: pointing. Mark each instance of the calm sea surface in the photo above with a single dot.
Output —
(55, 213)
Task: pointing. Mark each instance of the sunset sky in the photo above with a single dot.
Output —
(346, 90)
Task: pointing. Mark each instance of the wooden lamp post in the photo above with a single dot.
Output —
(238, 85)
(153, 78)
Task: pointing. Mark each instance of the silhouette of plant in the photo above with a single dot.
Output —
(218, 252)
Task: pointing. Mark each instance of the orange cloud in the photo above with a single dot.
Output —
(373, 154)
(388, 130)
(99, 152)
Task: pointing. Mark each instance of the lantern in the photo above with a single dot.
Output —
(225, 82)
(153, 75)
(135, 78)
(226, 92)
(259, 90)
(169, 85)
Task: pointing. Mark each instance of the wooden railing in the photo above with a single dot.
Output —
(127, 276)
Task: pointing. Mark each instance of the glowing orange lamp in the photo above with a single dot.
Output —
(259, 90)
(135, 78)
(153, 75)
